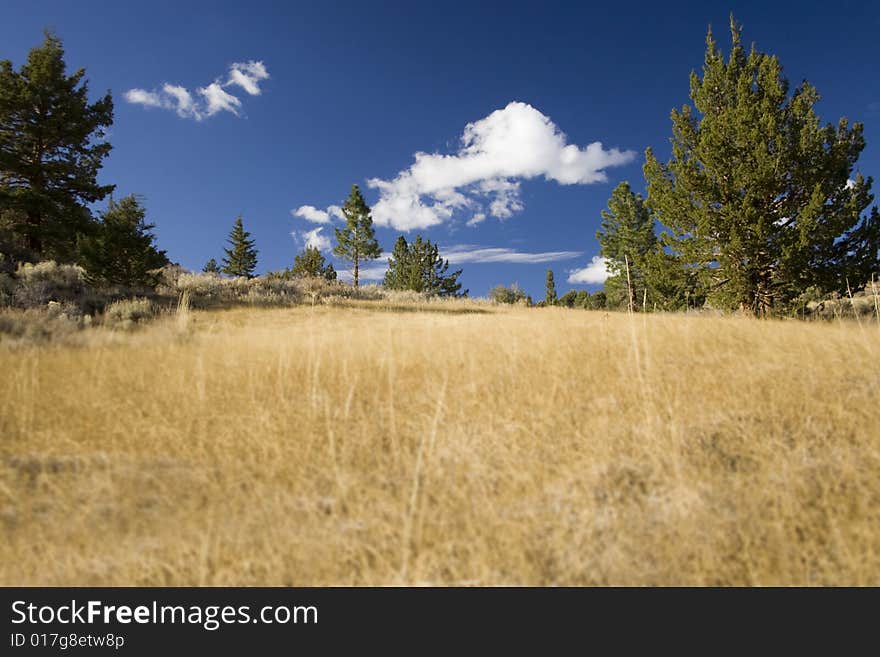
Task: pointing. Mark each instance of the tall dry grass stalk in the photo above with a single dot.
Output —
(384, 445)
(875, 291)
(182, 316)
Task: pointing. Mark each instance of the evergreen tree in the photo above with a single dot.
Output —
(51, 149)
(402, 273)
(121, 250)
(568, 299)
(12, 247)
(241, 258)
(211, 267)
(419, 267)
(626, 238)
(671, 284)
(357, 241)
(311, 263)
(757, 193)
(550, 296)
(444, 284)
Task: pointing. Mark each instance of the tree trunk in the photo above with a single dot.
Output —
(629, 287)
(764, 294)
(34, 218)
(355, 271)
(34, 241)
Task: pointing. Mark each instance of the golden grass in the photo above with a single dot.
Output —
(332, 446)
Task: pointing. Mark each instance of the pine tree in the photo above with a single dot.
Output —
(444, 284)
(311, 263)
(402, 273)
(211, 267)
(759, 197)
(121, 250)
(419, 267)
(626, 238)
(357, 241)
(550, 296)
(241, 258)
(568, 300)
(51, 149)
(671, 284)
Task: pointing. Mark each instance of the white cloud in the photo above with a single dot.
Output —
(217, 100)
(594, 273)
(181, 100)
(478, 254)
(479, 217)
(212, 99)
(497, 152)
(369, 270)
(506, 200)
(313, 238)
(461, 254)
(170, 97)
(365, 273)
(248, 75)
(318, 216)
(143, 97)
(311, 213)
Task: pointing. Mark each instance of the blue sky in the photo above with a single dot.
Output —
(356, 89)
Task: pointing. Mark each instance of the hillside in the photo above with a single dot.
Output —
(446, 443)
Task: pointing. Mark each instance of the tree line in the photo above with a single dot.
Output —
(53, 143)
(757, 206)
(415, 266)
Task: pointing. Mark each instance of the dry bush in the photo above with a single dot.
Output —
(7, 287)
(127, 313)
(55, 322)
(318, 445)
(207, 290)
(860, 303)
(508, 295)
(37, 284)
(200, 285)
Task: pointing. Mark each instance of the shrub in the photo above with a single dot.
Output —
(129, 312)
(55, 322)
(512, 294)
(7, 286)
(37, 284)
(199, 286)
(371, 292)
(277, 288)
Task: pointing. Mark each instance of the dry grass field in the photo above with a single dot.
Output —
(443, 444)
